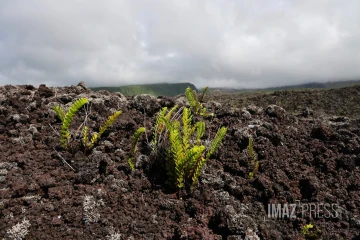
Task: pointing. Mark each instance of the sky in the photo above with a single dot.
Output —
(216, 43)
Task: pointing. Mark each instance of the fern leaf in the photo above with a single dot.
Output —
(158, 128)
(186, 119)
(93, 140)
(137, 136)
(198, 170)
(131, 163)
(111, 119)
(253, 158)
(65, 134)
(60, 112)
(191, 98)
(177, 154)
(192, 158)
(85, 136)
(171, 112)
(200, 131)
(197, 103)
(216, 142)
(203, 111)
(251, 151)
(203, 94)
(135, 141)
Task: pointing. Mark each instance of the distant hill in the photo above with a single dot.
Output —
(173, 89)
(159, 89)
(314, 85)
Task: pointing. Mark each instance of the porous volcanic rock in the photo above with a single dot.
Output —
(308, 159)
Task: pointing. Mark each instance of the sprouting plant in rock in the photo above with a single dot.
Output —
(253, 159)
(159, 130)
(311, 232)
(96, 136)
(136, 138)
(186, 156)
(67, 118)
(305, 229)
(196, 104)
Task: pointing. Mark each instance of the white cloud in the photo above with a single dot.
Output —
(207, 42)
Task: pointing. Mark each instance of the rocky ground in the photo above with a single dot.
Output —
(333, 102)
(307, 157)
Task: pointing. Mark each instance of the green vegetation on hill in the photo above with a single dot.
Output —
(161, 89)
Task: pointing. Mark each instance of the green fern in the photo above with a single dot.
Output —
(67, 118)
(196, 105)
(85, 138)
(136, 137)
(60, 112)
(192, 98)
(253, 159)
(215, 144)
(96, 136)
(305, 229)
(186, 154)
(200, 131)
(203, 94)
(160, 125)
(187, 128)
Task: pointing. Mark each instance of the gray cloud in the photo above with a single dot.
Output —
(216, 43)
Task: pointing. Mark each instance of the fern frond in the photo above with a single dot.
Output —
(111, 119)
(65, 134)
(130, 159)
(203, 94)
(216, 142)
(194, 156)
(93, 140)
(158, 128)
(253, 158)
(159, 125)
(137, 136)
(171, 112)
(131, 163)
(203, 111)
(198, 170)
(251, 151)
(177, 153)
(85, 136)
(60, 112)
(200, 131)
(190, 96)
(186, 120)
(135, 141)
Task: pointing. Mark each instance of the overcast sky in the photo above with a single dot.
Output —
(220, 43)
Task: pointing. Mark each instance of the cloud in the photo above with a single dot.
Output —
(207, 42)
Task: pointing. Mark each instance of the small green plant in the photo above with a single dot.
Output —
(196, 105)
(311, 232)
(159, 128)
(254, 162)
(305, 229)
(67, 118)
(135, 141)
(186, 155)
(203, 94)
(96, 136)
